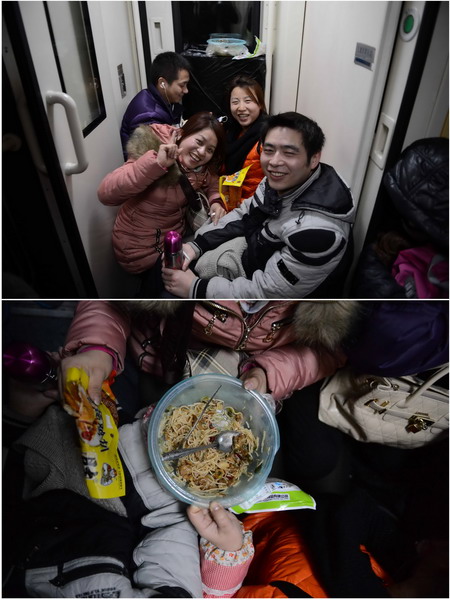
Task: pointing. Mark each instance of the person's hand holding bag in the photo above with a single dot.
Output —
(98, 366)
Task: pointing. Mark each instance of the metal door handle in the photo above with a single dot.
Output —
(71, 168)
(383, 138)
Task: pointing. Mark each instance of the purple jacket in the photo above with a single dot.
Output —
(148, 107)
(399, 337)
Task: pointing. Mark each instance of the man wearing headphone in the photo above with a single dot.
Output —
(161, 102)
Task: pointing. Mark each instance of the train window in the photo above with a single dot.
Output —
(73, 46)
(194, 22)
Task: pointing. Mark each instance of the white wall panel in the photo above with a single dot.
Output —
(344, 97)
(118, 33)
(288, 36)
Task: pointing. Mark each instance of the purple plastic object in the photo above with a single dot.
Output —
(29, 364)
(173, 250)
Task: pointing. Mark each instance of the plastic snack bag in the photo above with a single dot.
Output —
(260, 50)
(275, 495)
(98, 434)
(230, 188)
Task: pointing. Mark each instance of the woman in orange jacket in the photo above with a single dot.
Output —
(247, 108)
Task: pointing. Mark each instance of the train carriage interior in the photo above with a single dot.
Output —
(414, 494)
(374, 77)
(395, 100)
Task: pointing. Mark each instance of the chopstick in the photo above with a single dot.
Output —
(199, 417)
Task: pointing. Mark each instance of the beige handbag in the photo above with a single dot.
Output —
(394, 411)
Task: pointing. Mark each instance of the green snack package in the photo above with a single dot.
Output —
(276, 494)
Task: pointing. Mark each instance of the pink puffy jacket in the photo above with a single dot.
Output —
(148, 211)
(270, 337)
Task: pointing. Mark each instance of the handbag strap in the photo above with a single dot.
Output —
(429, 382)
(189, 192)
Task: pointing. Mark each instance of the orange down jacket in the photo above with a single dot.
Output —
(254, 175)
(280, 556)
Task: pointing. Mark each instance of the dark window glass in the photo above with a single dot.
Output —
(194, 22)
(73, 47)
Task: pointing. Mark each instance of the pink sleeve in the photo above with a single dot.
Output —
(130, 179)
(98, 323)
(292, 368)
(223, 572)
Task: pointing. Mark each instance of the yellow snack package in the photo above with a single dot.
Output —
(99, 436)
(230, 188)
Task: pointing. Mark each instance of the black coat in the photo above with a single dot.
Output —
(418, 188)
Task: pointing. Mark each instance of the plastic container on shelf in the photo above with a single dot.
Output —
(225, 46)
(257, 413)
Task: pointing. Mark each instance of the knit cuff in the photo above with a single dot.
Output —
(196, 248)
(112, 354)
(227, 558)
(223, 572)
(246, 366)
(198, 288)
(218, 200)
(165, 169)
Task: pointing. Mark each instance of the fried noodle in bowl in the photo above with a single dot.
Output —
(212, 474)
(207, 472)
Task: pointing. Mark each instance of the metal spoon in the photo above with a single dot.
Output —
(223, 442)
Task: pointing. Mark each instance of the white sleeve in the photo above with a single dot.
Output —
(169, 555)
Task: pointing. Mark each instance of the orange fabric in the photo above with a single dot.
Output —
(254, 174)
(280, 555)
(252, 179)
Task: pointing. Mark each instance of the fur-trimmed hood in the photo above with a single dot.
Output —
(150, 137)
(318, 324)
(139, 308)
(327, 323)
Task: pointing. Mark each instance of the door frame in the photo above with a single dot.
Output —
(20, 70)
(372, 208)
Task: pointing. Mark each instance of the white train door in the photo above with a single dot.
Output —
(81, 52)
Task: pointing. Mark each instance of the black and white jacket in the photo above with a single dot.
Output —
(295, 242)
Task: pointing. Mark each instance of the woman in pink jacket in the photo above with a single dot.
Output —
(148, 190)
(283, 345)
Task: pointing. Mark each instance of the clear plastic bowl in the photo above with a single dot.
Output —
(224, 46)
(257, 413)
(226, 41)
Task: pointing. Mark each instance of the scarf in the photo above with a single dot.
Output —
(239, 147)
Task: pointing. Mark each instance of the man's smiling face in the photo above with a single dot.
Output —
(284, 159)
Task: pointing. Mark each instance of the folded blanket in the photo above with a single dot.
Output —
(223, 261)
(53, 458)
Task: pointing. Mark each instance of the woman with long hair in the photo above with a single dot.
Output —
(148, 186)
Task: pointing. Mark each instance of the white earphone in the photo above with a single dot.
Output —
(163, 85)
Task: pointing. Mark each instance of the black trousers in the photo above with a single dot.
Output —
(333, 534)
(320, 458)
(152, 285)
(368, 494)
